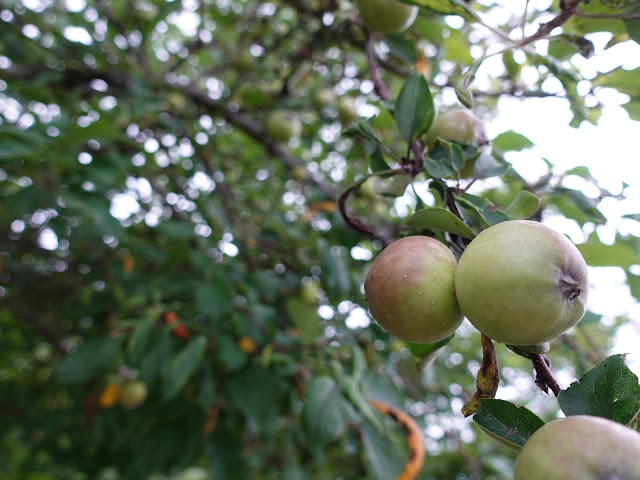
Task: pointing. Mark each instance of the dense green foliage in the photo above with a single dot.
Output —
(151, 229)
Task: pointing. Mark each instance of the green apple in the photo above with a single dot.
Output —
(409, 289)
(347, 110)
(387, 16)
(522, 283)
(133, 394)
(324, 97)
(457, 125)
(580, 447)
(283, 125)
(243, 62)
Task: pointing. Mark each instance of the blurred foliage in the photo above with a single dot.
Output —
(151, 230)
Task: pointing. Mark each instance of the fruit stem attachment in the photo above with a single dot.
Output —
(488, 377)
(541, 364)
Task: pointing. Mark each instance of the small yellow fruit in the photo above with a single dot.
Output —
(133, 394)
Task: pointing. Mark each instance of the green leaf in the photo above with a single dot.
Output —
(511, 141)
(414, 109)
(92, 359)
(335, 273)
(184, 365)
(325, 412)
(402, 48)
(422, 350)
(362, 129)
(633, 109)
(229, 353)
(214, 299)
(523, 206)
(609, 390)
(158, 359)
(576, 205)
(625, 81)
(377, 162)
(632, 23)
(305, 317)
(446, 158)
(439, 219)
(255, 391)
(488, 212)
(383, 456)
(140, 338)
(447, 7)
(507, 423)
(599, 254)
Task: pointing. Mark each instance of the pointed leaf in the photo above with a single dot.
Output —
(184, 365)
(507, 423)
(523, 206)
(325, 412)
(609, 390)
(414, 108)
(439, 219)
(92, 359)
(447, 7)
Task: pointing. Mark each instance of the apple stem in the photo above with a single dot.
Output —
(541, 364)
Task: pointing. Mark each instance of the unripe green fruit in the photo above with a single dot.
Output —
(522, 283)
(387, 16)
(43, 352)
(194, 473)
(283, 125)
(244, 61)
(347, 110)
(458, 125)
(324, 97)
(410, 292)
(133, 394)
(309, 293)
(580, 447)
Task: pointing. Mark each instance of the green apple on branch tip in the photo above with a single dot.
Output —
(283, 125)
(387, 16)
(309, 292)
(245, 61)
(458, 125)
(347, 110)
(522, 283)
(409, 290)
(132, 394)
(580, 447)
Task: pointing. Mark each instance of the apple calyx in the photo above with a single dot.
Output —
(569, 287)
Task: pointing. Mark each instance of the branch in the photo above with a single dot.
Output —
(541, 364)
(568, 10)
(386, 237)
(380, 87)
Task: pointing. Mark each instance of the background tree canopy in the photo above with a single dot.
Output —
(152, 230)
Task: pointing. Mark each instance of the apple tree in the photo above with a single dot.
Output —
(193, 193)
